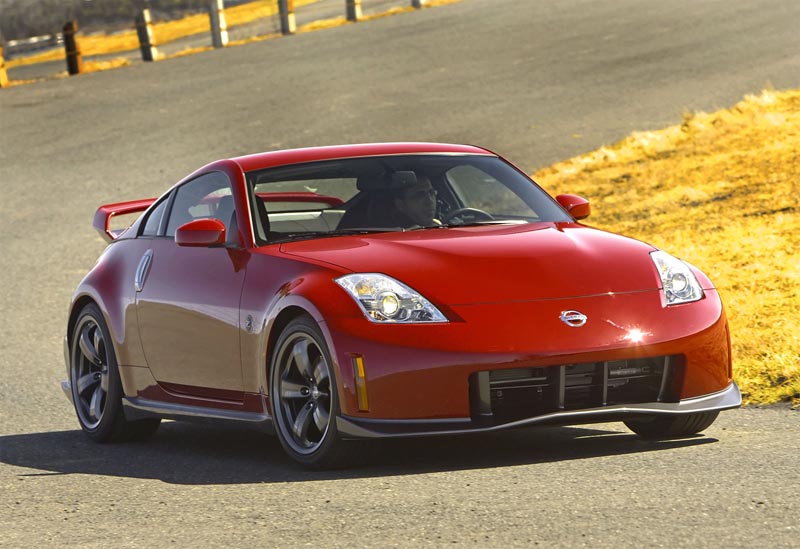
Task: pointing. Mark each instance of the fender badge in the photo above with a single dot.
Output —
(248, 324)
(573, 319)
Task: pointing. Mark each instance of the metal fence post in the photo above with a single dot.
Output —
(354, 10)
(144, 28)
(3, 74)
(418, 3)
(219, 29)
(74, 58)
(288, 21)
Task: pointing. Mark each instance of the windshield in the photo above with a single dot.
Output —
(393, 193)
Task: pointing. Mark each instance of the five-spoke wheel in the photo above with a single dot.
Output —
(304, 398)
(304, 388)
(95, 383)
(89, 376)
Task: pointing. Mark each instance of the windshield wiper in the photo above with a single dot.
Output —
(366, 230)
(486, 222)
(285, 237)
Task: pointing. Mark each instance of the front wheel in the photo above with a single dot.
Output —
(304, 398)
(96, 386)
(661, 427)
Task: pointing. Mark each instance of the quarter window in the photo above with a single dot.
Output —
(154, 219)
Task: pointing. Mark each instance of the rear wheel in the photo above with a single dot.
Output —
(672, 426)
(304, 398)
(96, 386)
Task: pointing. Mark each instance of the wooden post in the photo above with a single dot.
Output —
(288, 21)
(418, 3)
(353, 10)
(147, 43)
(3, 73)
(219, 29)
(73, 52)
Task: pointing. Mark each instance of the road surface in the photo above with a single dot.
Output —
(536, 81)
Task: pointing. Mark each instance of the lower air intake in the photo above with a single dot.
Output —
(507, 395)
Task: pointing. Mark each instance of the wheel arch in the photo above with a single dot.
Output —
(278, 324)
(85, 298)
(80, 301)
(282, 320)
(278, 293)
(77, 306)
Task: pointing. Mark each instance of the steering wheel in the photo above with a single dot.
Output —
(467, 215)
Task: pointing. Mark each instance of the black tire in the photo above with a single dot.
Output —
(304, 398)
(664, 427)
(96, 386)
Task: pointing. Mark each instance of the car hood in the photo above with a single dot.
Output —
(494, 263)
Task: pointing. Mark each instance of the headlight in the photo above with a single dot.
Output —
(679, 283)
(384, 299)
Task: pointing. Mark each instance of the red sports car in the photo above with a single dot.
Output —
(340, 293)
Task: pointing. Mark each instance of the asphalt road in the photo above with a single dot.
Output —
(536, 81)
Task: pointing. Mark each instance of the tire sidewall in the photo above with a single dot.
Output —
(305, 325)
(112, 412)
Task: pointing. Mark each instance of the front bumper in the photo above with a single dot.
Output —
(728, 398)
(422, 372)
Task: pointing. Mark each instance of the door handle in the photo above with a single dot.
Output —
(142, 270)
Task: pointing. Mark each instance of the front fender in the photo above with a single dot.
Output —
(276, 290)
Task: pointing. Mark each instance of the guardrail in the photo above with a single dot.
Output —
(34, 43)
(148, 39)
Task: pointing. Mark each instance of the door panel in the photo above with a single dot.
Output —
(188, 298)
(188, 313)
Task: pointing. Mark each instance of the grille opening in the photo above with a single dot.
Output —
(583, 386)
(500, 396)
(515, 393)
(633, 383)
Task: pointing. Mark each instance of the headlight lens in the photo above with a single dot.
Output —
(384, 299)
(679, 283)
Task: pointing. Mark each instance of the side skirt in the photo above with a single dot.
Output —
(141, 408)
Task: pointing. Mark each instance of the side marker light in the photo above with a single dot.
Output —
(361, 383)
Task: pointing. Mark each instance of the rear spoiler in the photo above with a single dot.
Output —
(104, 213)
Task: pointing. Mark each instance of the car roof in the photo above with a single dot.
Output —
(294, 156)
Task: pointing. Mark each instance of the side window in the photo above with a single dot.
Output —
(154, 219)
(206, 196)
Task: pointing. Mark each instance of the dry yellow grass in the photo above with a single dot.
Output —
(721, 191)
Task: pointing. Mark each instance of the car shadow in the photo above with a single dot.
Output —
(190, 454)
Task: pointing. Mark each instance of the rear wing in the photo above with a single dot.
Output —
(103, 215)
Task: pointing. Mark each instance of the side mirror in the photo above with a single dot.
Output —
(577, 206)
(201, 233)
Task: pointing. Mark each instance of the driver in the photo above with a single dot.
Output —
(415, 205)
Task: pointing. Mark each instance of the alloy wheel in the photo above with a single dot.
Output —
(90, 373)
(303, 393)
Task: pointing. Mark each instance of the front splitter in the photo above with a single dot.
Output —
(728, 398)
